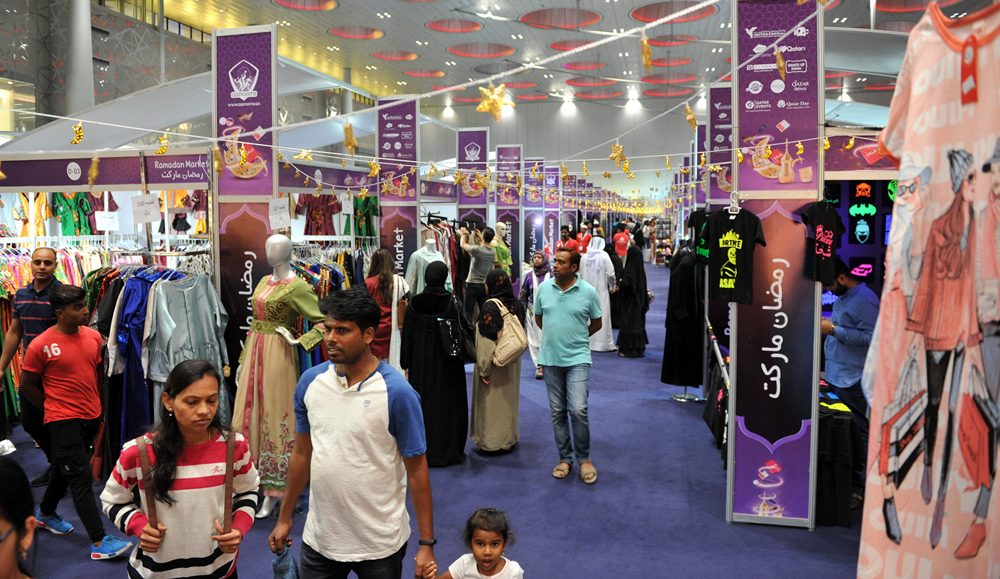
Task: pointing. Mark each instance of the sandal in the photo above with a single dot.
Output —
(539, 374)
(588, 476)
(562, 470)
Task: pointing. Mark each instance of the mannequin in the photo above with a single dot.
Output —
(264, 409)
(419, 261)
(502, 260)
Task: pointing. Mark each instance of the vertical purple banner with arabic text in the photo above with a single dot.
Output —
(508, 172)
(398, 230)
(778, 116)
(512, 218)
(534, 182)
(398, 139)
(720, 137)
(701, 172)
(473, 157)
(244, 84)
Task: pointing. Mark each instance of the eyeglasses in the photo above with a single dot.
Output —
(4, 536)
(908, 189)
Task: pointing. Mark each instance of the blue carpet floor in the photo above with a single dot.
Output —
(657, 509)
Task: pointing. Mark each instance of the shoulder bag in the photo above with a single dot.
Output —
(227, 517)
(456, 337)
(511, 342)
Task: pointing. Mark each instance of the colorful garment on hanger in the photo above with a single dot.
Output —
(198, 203)
(72, 209)
(319, 211)
(42, 212)
(96, 202)
(366, 209)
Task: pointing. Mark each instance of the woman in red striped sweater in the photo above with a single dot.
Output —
(187, 451)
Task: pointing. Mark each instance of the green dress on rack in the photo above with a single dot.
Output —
(72, 209)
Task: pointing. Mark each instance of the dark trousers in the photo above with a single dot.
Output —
(33, 422)
(854, 398)
(71, 451)
(316, 566)
(475, 295)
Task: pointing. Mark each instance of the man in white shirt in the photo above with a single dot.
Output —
(360, 440)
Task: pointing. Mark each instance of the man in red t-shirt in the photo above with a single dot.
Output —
(621, 240)
(583, 239)
(566, 241)
(66, 357)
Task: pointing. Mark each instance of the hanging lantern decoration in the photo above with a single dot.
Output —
(585, 172)
(163, 145)
(534, 172)
(349, 141)
(77, 133)
(826, 143)
(565, 172)
(690, 118)
(374, 168)
(669, 168)
(780, 60)
(647, 53)
(799, 149)
(739, 156)
(217, 160)
(767, 152)
(343, 162)
(617, 154)
(92, 172)
(493, 101)
(702, 160)
(243, 155)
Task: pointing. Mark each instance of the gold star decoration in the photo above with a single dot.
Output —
(343, 162)
(607, 175)
(510, 176)
(374, 166)
(585, 172)
(217, 160)
(460, 178)
(92, 172)
(647, 53)
(534, 172)
(799, 149)
(565, 172)
(657, 174)
(617, 154)
(305, 181)
(163, 143)
(685, 171)
(319, 188)
(702, 160)
(739, 156)
(77, 133)
(297, 173)
(404, 183)
(689, 114)
(287, 165)
(669, 168)
(519, 183)
(2, 176)
(363, 193)
(413, 171)
(304, 155)
(482, 182)
(385, 187)
(493, 101)
(780, 60)
(349, 141)
(826, 143)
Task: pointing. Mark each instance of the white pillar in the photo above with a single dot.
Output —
(79, 58)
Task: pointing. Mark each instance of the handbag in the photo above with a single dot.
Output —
(511, 341)
(455, 337)
(284, 566)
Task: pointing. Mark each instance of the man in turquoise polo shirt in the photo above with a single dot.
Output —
(568, 311)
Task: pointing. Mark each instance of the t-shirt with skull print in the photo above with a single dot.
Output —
(828, 228)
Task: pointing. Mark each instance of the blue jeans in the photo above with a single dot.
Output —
(568, 389)
(854, 398)
(316, 566)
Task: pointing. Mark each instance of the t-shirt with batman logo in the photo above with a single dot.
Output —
(732, 239)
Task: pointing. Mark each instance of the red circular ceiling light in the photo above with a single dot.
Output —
(674, 61)
(838, 74)
(881, 86)
(424, 73)
(669, 78)
(668, 92)
(601, 93)
(357, 32)
(520, 84)
(568, 44)
(834, 86)
(448, 87)
(531, 97)
(896, 26)
(672, 40)
(565, 18)
(583, 65)
(909, 5)
(590, 81)
(481, 50)
(316, 5)
(466, 100)
(653, 12)
(454, 25)
(394, 55)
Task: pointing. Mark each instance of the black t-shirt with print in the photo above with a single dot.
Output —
(732, 239)
(697, 222)
(828, 228)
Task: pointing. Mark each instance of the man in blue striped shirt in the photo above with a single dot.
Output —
(32, 315)
(848, 333)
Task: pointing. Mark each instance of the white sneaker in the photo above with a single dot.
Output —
(6, 447)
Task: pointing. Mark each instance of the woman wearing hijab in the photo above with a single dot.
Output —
(616, 261)
(541, 271)
(438, 377)
(598, 271)
(495, 389)
(634, 303)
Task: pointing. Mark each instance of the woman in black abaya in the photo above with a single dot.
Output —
(616, 261)
(436, 376)
(633, 304)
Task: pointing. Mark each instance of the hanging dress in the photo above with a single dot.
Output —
(264, 408)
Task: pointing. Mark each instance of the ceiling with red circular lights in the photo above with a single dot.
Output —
(673, 61)
(481, 50)
(668, 92)
(308, 4)
(394, 55)
(357, 32)
(672, 40)
(590, 81)
(565, 18)
(520, 84)
(497, 67)
(670, 78)
(880, 86)
(835, 74)
(653, 12)
(535, 96)
(568, 44)
(424, 73)
(447, 86)
(600, 93)
(454, 25)
(895, 25)
(583, 65)
(909, 5)
(466, 100)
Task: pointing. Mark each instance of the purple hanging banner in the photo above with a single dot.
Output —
(864, 154)
(534, 182)
(508, 170)
(117, 172)
(398, 149)
(778, 117)
(178, 171)
(551, 231)
(294, 177)
(702, 173)
(398, 230)
(244, 73)
(720, 136)
(551, 194)
(473, 157)
(476, 215)
(438, 191)
(534, 232)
